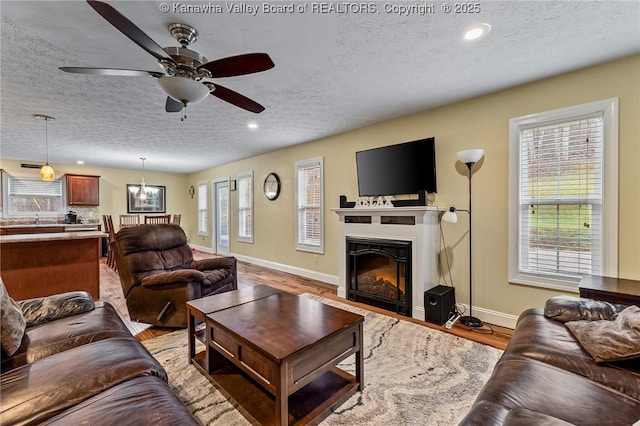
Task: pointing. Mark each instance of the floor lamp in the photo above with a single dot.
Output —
(468, 157)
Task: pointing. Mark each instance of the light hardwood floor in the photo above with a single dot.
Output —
(249, 275)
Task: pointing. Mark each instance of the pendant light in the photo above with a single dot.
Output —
(142, 193)
(46, 172)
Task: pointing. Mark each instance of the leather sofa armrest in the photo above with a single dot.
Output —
(209, 264)
(179, 276)
(569, 308)
(45, 309)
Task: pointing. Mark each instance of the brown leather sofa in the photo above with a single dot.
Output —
(545, 377)
(159, 276)
(78, 364)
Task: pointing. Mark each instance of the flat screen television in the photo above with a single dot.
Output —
(405, 168)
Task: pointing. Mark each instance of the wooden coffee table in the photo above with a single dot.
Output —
(198, 309)
(276, 356)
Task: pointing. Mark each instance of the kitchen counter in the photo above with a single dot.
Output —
(37, 265)
(46, 225)
(28, 238)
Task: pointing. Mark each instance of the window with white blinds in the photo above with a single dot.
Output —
(561, 187)
(309, 202)
(245, 206)
(31, 196)
(203, 209)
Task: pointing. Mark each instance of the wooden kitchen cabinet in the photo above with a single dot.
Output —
(83, 190)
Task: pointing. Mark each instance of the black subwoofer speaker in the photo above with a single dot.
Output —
(438, 302)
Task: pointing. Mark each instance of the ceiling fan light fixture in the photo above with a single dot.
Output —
(183, 89)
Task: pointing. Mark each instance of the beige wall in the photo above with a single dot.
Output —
(477, 123)
(113, 183)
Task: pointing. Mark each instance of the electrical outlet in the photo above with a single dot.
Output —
(315, 258)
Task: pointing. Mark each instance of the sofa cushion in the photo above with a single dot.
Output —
(40, 390)
(57, 336)
(569, 308)
(44, 309)
(139, 401)
(12, 324)
(615, 340)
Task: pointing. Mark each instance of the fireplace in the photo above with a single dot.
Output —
(379, 273)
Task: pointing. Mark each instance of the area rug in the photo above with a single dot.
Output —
(413, 376)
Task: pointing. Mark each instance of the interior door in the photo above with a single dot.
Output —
(221, 216)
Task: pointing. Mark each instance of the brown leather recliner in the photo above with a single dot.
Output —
(159, 275)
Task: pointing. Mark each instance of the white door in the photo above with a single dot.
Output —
(221, 216)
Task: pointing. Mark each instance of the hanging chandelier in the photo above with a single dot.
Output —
(142, 193)
(46, 171)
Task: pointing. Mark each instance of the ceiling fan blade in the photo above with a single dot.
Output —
(239, 65)
(172, 105)
(236, 99)
(112, 72)
(129, 29)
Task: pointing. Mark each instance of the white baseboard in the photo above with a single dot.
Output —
(314, 275)
(493, 317)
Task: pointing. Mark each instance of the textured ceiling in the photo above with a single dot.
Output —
(334, 72)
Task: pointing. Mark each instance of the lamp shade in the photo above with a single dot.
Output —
(450, 216)
(470, 155)
(183, 89)
(46, 173)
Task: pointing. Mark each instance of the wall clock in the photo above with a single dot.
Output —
(271, 186)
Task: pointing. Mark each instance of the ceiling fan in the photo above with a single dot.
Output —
(183, 69)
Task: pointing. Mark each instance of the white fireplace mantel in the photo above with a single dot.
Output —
(424, 237)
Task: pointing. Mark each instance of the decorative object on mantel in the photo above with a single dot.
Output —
(46, 172)
(385, 202)
(468, 157)
(421, 201)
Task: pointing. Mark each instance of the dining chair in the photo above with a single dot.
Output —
(176, 219)
(129, 220)
(165, 218)
(108, 228)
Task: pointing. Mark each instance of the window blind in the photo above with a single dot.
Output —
(245, 207)
(309, 197)
(561, 193)
(34, 188)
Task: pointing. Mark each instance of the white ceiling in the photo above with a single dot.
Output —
(334, 72)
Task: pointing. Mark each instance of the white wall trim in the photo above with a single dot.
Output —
(307, 273)
(493, 317)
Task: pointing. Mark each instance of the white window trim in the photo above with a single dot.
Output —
(239, 176)
(305, 247)
(609, 110)
(205, 232)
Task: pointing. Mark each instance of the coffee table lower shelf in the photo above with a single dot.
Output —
(308, 406)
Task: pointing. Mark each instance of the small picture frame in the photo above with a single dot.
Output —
(232, 185)
(152, 201)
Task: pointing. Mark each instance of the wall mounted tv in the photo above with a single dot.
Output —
(405, 168)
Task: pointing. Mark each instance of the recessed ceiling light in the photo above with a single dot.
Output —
(252, 125)
(79, 162)
(477, 31)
